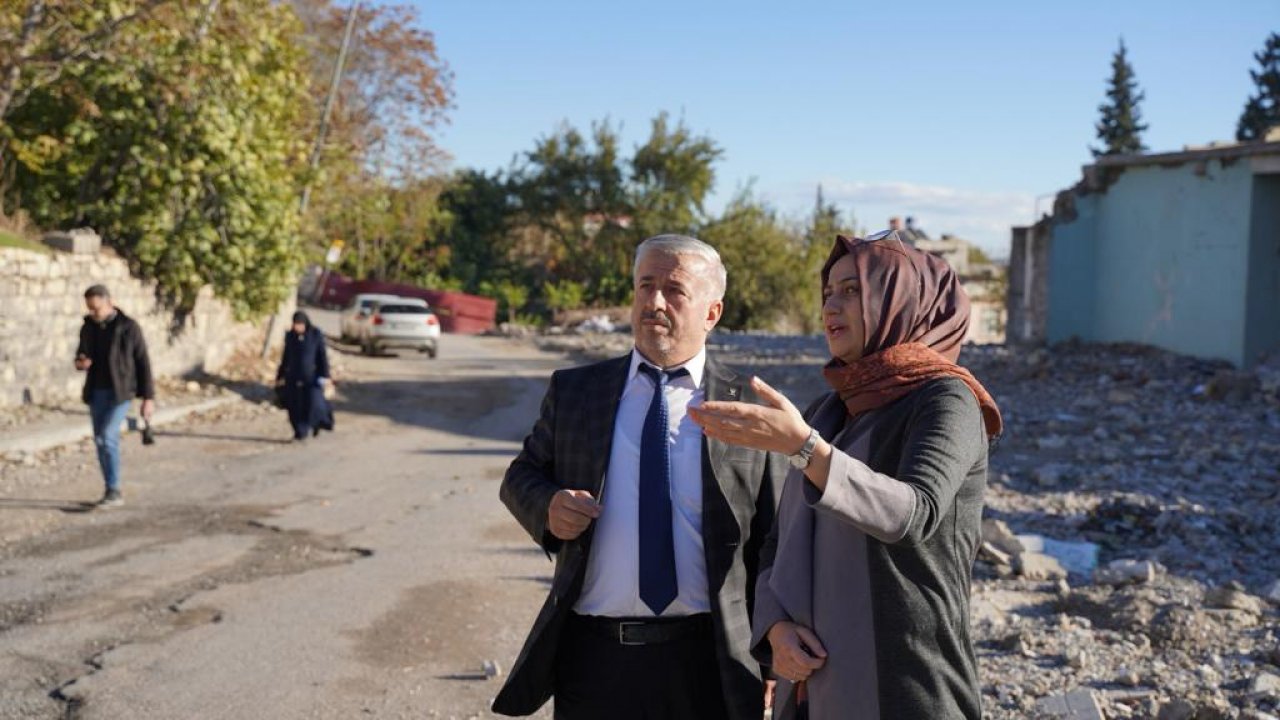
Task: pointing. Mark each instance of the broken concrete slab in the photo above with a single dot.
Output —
(1038, 566)
(1124, 572)
(1079, 704)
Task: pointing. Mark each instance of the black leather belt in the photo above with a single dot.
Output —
(645, 631)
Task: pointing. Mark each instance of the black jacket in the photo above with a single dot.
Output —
(128, 362)
(570, 448)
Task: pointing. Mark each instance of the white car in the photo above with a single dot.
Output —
(400, 323)
(357, 313)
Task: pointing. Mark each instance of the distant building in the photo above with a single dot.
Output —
(983, 280)
(910, 233)
(1027, 299)
(950, 248)
(984, 285)
(1179, 250)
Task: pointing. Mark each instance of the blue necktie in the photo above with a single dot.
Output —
(658, 585)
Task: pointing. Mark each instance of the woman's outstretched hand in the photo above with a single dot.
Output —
(776, 426)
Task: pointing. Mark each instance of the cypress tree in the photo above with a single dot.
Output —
(1120, 127)
(1262, 111)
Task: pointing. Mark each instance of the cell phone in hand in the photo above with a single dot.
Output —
(148, 436)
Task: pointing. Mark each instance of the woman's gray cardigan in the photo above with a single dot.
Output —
(934, 441)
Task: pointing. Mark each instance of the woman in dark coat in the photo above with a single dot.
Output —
(303, 373)
(862, 601)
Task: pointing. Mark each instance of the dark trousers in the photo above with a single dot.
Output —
(599, 677)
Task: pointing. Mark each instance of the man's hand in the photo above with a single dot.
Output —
(770, 688)
(797, 652)
(571, 512)
(83, 362)
(148, 405)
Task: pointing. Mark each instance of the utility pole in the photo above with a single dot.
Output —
(323, 130)
(329, 101)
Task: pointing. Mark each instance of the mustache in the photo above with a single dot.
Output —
(657, 315)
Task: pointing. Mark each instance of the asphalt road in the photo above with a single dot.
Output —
(368, 573)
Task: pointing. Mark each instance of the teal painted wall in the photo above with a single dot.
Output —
(1262, 321)
(1168, 251)
(1072, 275)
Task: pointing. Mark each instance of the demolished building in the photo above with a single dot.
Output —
(1178, 250)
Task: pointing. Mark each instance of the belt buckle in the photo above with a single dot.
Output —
(622, 633)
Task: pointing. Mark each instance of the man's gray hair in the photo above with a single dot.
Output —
(685, 245)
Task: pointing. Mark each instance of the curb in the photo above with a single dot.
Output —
(68, 434)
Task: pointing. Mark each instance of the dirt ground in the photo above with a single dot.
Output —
(371, 572)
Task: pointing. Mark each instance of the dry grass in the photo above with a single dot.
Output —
(16, 231)
(8, 239)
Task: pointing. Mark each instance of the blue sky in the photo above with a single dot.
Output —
(959, 114)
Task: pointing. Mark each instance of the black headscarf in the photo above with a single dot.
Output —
(301, 317)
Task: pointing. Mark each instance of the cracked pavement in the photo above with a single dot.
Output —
(367, 573)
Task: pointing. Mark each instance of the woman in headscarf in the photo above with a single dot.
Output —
(303, 373)
(862, 599)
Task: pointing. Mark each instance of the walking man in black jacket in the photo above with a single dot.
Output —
(114, 354)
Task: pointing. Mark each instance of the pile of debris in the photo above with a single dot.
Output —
(1170, 468)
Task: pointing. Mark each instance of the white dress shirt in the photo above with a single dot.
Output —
(612, 586)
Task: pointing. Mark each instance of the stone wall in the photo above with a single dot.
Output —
(42, 309)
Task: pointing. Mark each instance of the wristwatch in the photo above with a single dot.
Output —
(804, 455)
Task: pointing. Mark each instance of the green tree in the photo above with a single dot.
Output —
(41, 40)
(671, 173)
(582, 207)
(563, 221)
(394, 231)
(824, 225)
(511, 296)
(769, 282)
(478, 212)
(1262, 111)
(574, 208)
(1120, 127)
(184, 151)
(564, 295)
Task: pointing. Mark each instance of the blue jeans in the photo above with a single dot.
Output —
(107, 416)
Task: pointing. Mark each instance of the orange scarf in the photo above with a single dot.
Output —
(881, 378)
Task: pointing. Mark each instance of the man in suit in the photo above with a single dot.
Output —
(656, 529)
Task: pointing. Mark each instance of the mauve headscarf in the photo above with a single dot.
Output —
(914, 314)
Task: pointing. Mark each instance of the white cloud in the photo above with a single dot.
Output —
(980, 216)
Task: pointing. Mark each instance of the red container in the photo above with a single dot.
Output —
(458, 312)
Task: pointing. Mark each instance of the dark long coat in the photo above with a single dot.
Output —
(304, 362)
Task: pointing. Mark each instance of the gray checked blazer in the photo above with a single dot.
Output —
(569, 447)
